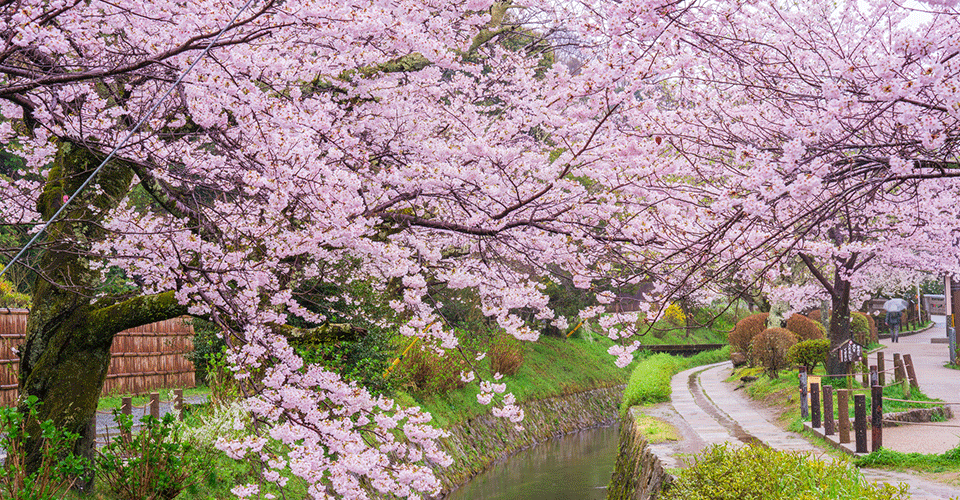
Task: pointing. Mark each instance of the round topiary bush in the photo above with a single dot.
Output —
(746, 329)
(873, 329)
(770, 347)
(805, 328)
(809, 353)
(860, 328)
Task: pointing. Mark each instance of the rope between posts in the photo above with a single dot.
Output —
(921, 402)
(935, 424)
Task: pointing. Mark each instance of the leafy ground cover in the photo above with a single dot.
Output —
(759, 473)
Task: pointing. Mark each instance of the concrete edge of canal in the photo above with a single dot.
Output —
(639, 473)
(482, 441)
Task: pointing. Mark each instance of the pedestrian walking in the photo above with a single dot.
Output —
(893, 322)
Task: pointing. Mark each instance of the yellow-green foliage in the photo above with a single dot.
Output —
(674, 315)
(758, 473)
(656, 430)
(805, 328)
(769, 349)
(860, 328)
(746, 329)
(809, 353)
(650, 381)
(9, 297)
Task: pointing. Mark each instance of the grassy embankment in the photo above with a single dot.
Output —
(783, 393)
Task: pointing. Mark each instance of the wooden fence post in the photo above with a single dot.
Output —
(897, 366)
(860, 421)
(178, 402)
(843, 414)
(804, 407)
(828, 428)
(876, 404)
(880, 368)
(900, 373)
(864, 372)
(155, 404)
(126, 408)
(815, 405)
(908, 362)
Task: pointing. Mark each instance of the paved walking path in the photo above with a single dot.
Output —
(717, 413)
(936, 381)
(107, 427)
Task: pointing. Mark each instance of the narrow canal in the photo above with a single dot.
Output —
(573, 467)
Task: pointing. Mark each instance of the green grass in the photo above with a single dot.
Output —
(650, 380)
(656, 430)
(948, 461)
(552, 367)
(784, 392)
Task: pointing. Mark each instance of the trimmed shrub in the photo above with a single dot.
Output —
(506, 355)
(805, 328)
(809, 353)
(758, 473)
(431, 373)
(769, 349)
(873, 329)
(860, 328)
(746, 329)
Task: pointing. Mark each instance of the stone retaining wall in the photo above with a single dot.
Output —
(638, 475)
(481, 441)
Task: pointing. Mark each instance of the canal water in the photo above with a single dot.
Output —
(573, 467)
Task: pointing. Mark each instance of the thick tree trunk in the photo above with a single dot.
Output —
(839, 323)
(66, 355)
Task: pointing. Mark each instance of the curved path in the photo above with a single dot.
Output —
(717, 413)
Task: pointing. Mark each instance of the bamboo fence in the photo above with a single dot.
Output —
(145, 358)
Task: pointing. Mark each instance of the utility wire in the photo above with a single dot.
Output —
(123, 142)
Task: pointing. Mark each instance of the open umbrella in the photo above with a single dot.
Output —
(895, 305)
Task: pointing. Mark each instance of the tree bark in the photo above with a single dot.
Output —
(65, 357)
(839, 322)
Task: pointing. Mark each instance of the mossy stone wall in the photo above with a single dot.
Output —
(638, 474)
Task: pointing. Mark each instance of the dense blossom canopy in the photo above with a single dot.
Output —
(479, 146)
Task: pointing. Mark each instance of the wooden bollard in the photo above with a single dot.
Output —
(804, 407)
(880, 368)
(155, 404)
(897, 366)
(828, 427)
(876, 405)
(843, 415)
(815, 405)
(900, 373)
(178, 402)
(126, 408)
(908, 362)
(860, 421)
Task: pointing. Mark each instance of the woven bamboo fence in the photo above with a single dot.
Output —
(145, 358)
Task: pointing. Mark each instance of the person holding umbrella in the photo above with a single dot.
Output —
(895, 308)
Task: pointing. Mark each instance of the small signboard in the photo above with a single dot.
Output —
(849, 351)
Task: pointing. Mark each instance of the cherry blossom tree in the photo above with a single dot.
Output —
(316, 143)
(811, 132)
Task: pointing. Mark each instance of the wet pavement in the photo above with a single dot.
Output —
(718, 413)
